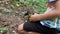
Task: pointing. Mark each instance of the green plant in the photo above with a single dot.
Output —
(39, 5)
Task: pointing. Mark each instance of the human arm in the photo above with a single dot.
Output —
(49, 15)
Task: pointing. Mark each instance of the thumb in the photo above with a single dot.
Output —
(30, 14)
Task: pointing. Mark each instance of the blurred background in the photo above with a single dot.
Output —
(12, 13)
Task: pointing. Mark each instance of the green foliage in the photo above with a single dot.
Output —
(5, 29)
(39, 5)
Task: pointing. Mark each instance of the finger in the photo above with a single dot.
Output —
(30, 15)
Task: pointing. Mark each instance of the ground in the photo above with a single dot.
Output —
(11, 18)
(12, 15)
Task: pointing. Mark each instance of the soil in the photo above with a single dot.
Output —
(11, 18)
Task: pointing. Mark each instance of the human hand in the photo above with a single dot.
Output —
(34, 17)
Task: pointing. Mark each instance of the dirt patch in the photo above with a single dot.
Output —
(11, 18)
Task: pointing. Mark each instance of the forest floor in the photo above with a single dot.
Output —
(11, 18)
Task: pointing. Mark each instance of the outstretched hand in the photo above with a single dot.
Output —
(34, 17)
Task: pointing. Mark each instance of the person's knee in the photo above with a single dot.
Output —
(21, 31)
(20, 28)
